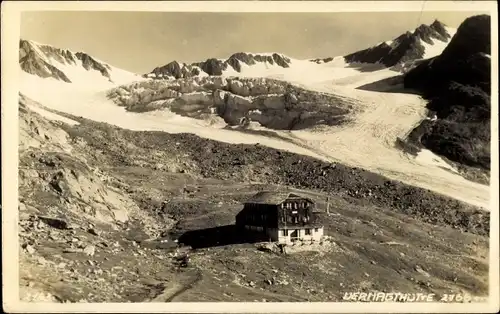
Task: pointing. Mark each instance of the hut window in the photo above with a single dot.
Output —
(308, 231)
(285, 232)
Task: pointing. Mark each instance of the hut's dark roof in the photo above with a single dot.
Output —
(274, 198)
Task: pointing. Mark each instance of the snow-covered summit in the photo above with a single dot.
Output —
(63, 65)
(426, 41)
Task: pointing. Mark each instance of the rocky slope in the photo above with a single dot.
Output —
(457, 84)
(100, 208)
(70, 210)
(238, 101)
(424, 42)
(197, 156)
(50, 166)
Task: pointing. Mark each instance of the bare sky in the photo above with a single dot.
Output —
(140, 41)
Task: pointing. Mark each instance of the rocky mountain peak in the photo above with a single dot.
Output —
(434, 31)
(213, 66)
(473, 36)
(26, 47)
(33, 59)
(47, 61)
(90, 63)
(406, 47)
(439, 27)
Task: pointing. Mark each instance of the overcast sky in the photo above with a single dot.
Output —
(140, 41)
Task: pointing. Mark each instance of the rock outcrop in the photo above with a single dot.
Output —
(49, 171)
(458, 86)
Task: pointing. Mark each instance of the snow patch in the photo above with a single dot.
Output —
(52, 116)
(302, 72)
(438, 46)
(426, 157)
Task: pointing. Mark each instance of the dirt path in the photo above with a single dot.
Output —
(176, 288)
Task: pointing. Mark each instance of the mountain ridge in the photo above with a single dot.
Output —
(406, 47)
(48, 61)
(424, 41)
(213, 66)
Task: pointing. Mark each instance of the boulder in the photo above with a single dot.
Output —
(219, 82)
(219, 97)
(259, 88)
(236, 87)
(274, 102)
(57, 223)
(238, 102)
(197, 98)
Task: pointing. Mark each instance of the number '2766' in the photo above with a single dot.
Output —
(459, 297)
